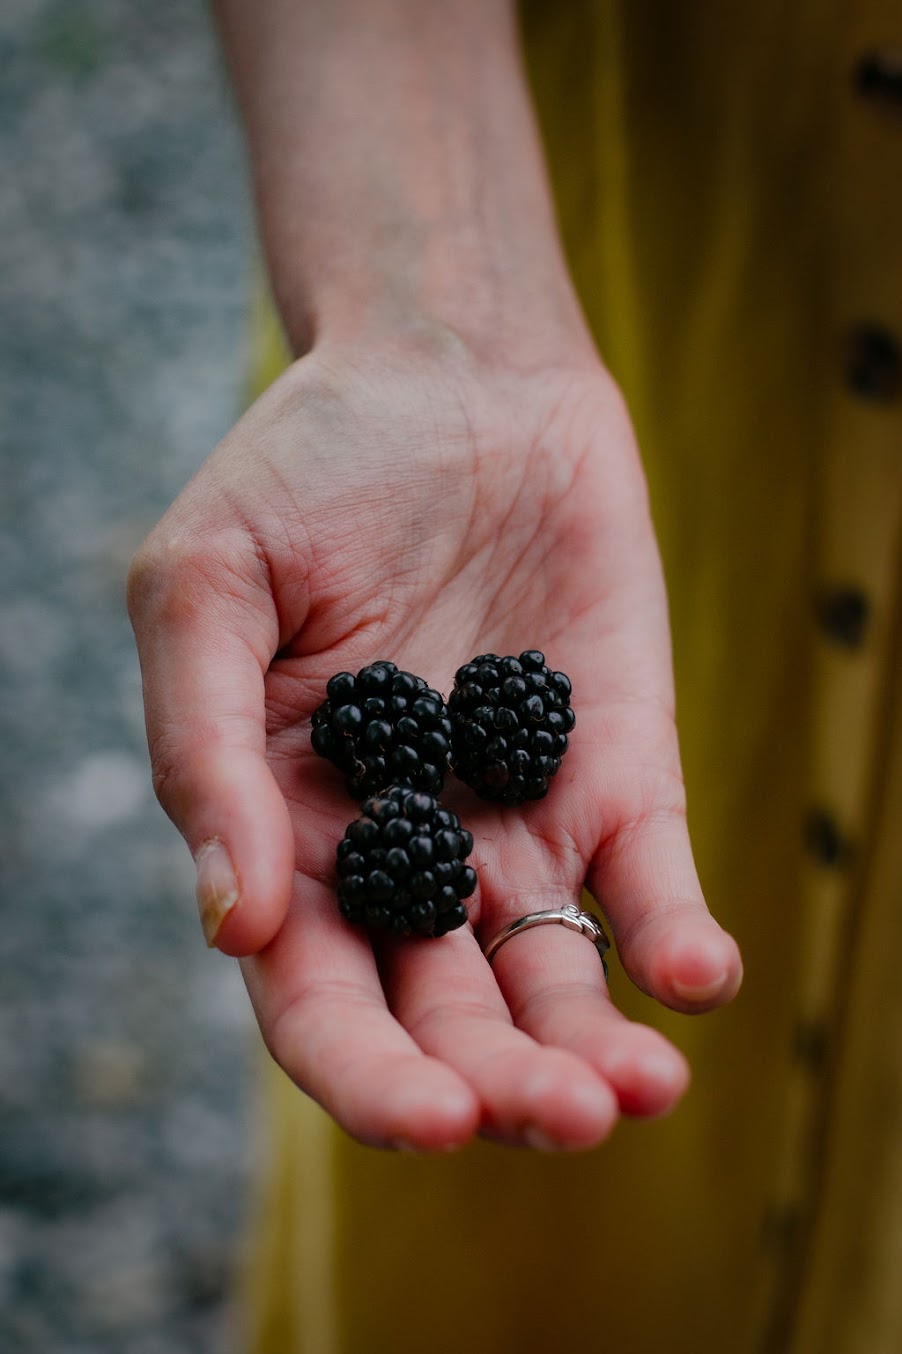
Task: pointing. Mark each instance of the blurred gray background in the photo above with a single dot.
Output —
(125, 273)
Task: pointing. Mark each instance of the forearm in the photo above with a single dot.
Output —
(398, 171)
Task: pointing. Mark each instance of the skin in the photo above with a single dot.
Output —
(445, 469)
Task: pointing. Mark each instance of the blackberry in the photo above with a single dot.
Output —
(510, 720)
(401, 865)
(383, 727)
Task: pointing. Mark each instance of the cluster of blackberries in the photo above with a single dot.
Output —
(510, 718)
(503, 731)
(383, 727)
(401, 865)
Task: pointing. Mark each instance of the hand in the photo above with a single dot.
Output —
(417, 506)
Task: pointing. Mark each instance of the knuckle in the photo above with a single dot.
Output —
(167, 760)
(183, 757)
(174, 575)
(140, 581)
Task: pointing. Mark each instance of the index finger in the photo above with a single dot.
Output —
(206, 628)
(323, 1015)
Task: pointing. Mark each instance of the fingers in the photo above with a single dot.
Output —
(531, 1094)
(323, 1015)
(553, 985)
(531, 1052)
(554, 988)
(206, 629)
(448, 1058)
(645, 879)
(443, 1062)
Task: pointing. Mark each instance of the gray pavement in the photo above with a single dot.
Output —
(124, 1045)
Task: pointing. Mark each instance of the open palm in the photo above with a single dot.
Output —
(418, 509)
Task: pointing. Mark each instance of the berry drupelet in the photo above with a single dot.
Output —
(401, 865)
(510, 720)
(383, 727)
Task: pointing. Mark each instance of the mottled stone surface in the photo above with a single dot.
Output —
(124, 1044)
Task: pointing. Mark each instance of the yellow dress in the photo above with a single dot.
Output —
(729, 178)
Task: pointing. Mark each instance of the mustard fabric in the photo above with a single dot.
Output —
(732, 208)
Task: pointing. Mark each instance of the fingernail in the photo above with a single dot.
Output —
(539, 1141)
(403, 1145)
(217, 887)
(662, 1069)
(700, 991)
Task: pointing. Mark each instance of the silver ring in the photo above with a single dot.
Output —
(569, 915)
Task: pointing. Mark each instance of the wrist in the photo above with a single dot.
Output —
(398, 170)
(497, 309)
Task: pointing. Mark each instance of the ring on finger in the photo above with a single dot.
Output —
(569, 915)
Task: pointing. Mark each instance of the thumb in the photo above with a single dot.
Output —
(206, 627)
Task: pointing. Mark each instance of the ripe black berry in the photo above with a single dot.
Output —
(401, 865)
(383, 727)
(510, 720)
